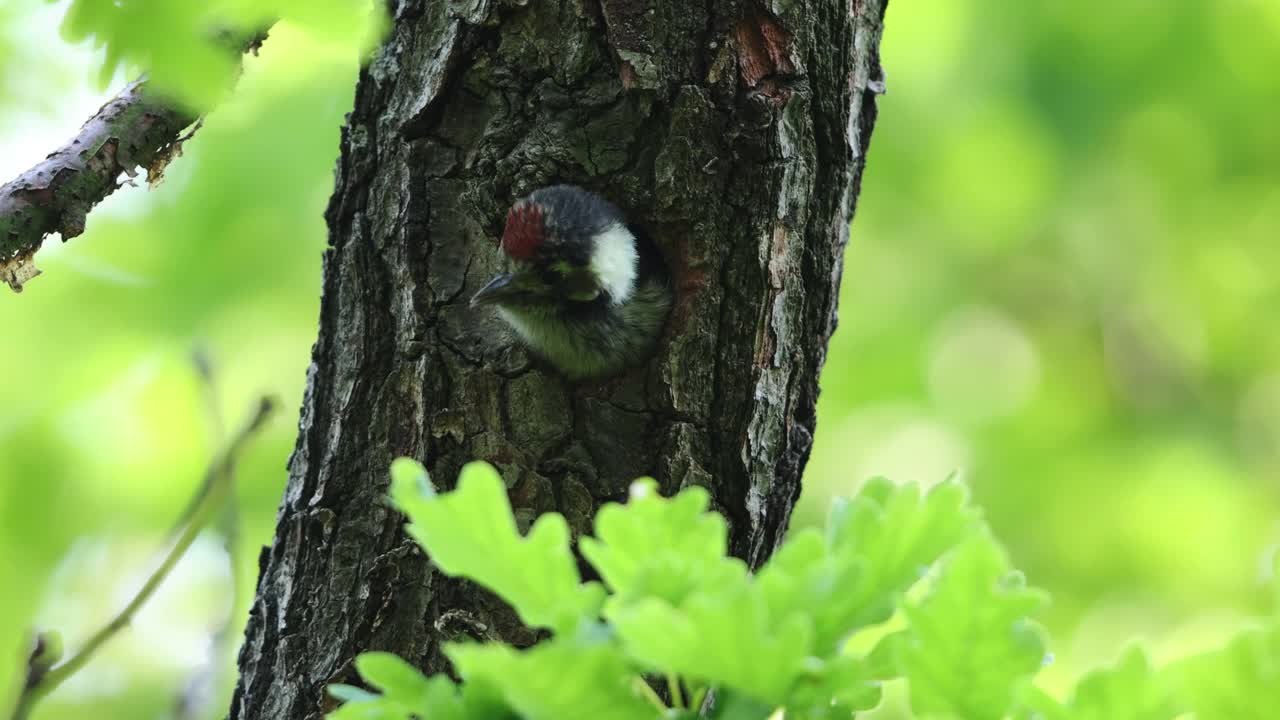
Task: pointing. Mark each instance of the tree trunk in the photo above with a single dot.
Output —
(733, 132)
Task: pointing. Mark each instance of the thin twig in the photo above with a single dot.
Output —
(202, 361)
(219, 470)
(191, 701)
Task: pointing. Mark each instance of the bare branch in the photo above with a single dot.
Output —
(42, 680)
(134, 129)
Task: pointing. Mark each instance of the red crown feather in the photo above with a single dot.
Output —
(524, 231)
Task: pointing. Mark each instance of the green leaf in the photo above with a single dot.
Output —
(376, 709)
(356, 23)
(805, 576)
(1036, 704)
(583, 677)
(191, 51)
(408, 695)
(660, 548)
(877, 545)
(897, 533)
(882, 661)
(1238, 682)
(391, 675)
(724, 637)
(351, 693)
(833, 689)
(971, 643)
(408, 473)
(817, 589)
(471, 532)
(1129, 691)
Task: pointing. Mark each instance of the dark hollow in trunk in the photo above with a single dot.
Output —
(734, 133)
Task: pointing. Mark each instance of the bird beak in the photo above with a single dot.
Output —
(499, 288)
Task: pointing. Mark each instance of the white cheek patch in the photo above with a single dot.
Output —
(614, 262)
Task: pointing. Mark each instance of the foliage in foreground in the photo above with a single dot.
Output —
(902, 584)
(191, 51)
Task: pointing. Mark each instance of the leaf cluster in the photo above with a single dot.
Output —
(191, 50)
(903, 584)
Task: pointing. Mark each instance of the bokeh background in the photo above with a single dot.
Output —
(1062, 285)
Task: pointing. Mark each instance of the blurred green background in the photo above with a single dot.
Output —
(1061, 285)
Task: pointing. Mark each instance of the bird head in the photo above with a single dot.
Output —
(563, 247)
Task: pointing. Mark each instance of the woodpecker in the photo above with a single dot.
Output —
(583, 289)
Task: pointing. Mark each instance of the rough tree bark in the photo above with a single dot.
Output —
(735, 132)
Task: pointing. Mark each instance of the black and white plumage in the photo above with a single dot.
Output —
(584, 290)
